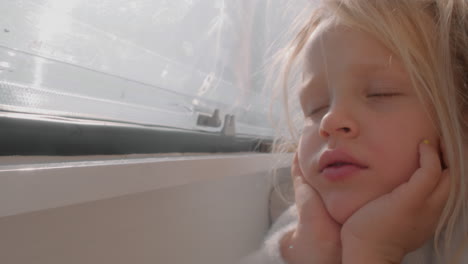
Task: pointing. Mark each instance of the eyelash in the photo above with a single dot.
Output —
(315, 111)
(383, 95)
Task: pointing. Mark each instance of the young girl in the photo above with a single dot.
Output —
(380, 169)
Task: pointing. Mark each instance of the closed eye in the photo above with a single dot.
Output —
(317, 110)
(383, 95)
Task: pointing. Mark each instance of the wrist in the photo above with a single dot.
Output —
(298, 247)
(294, 249)
(290, 248)
(356, 251)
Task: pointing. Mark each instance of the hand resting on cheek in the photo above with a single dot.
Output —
(387, 228)
(317, 236)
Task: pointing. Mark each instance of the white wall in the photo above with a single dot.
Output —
(215, 220)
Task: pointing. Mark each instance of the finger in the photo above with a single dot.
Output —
(296, 174)
(300, 190)
(424, 180)
(307, 199)
(303, 194)
(313, 215)
(295, 168)
(429, 158)
(440, 195)
(314, 218)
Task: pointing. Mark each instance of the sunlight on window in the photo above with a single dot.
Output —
(154, 63)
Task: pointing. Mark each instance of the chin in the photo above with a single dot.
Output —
(341, 216)
(342, 210)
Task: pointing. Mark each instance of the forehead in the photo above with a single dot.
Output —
(336, 48)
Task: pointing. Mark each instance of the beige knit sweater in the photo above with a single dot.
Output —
(269, 252)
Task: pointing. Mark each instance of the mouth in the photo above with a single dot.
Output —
(340, 173)
(338, 164)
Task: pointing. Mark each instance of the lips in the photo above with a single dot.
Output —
(338, 158)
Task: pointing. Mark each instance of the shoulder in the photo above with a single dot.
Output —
(286, 218)
(269, 252)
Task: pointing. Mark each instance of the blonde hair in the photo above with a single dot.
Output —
(431, 39)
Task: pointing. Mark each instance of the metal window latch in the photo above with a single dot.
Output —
(209, 121)
(229, 128)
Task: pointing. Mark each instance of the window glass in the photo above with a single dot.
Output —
(184, 64)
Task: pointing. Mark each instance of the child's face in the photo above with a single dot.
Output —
(358, 100)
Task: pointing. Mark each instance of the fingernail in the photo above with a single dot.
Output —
(426, 142)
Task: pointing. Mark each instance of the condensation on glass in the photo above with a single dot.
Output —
(166, 63)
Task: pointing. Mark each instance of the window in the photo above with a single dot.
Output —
(79, 77)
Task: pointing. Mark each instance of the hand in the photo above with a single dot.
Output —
(386, 229)
(317, 236)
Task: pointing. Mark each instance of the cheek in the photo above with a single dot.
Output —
(309, 146)
(396, 164)
(399, 154)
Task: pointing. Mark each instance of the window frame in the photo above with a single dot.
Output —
(26, 134)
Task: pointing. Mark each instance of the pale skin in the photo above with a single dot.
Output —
(358, 97)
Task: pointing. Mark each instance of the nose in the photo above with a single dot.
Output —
(339, 122)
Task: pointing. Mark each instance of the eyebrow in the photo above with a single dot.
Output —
(379, 69)
(369, 67)
(376, 66)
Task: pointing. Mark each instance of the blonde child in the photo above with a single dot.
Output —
(380, 169)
